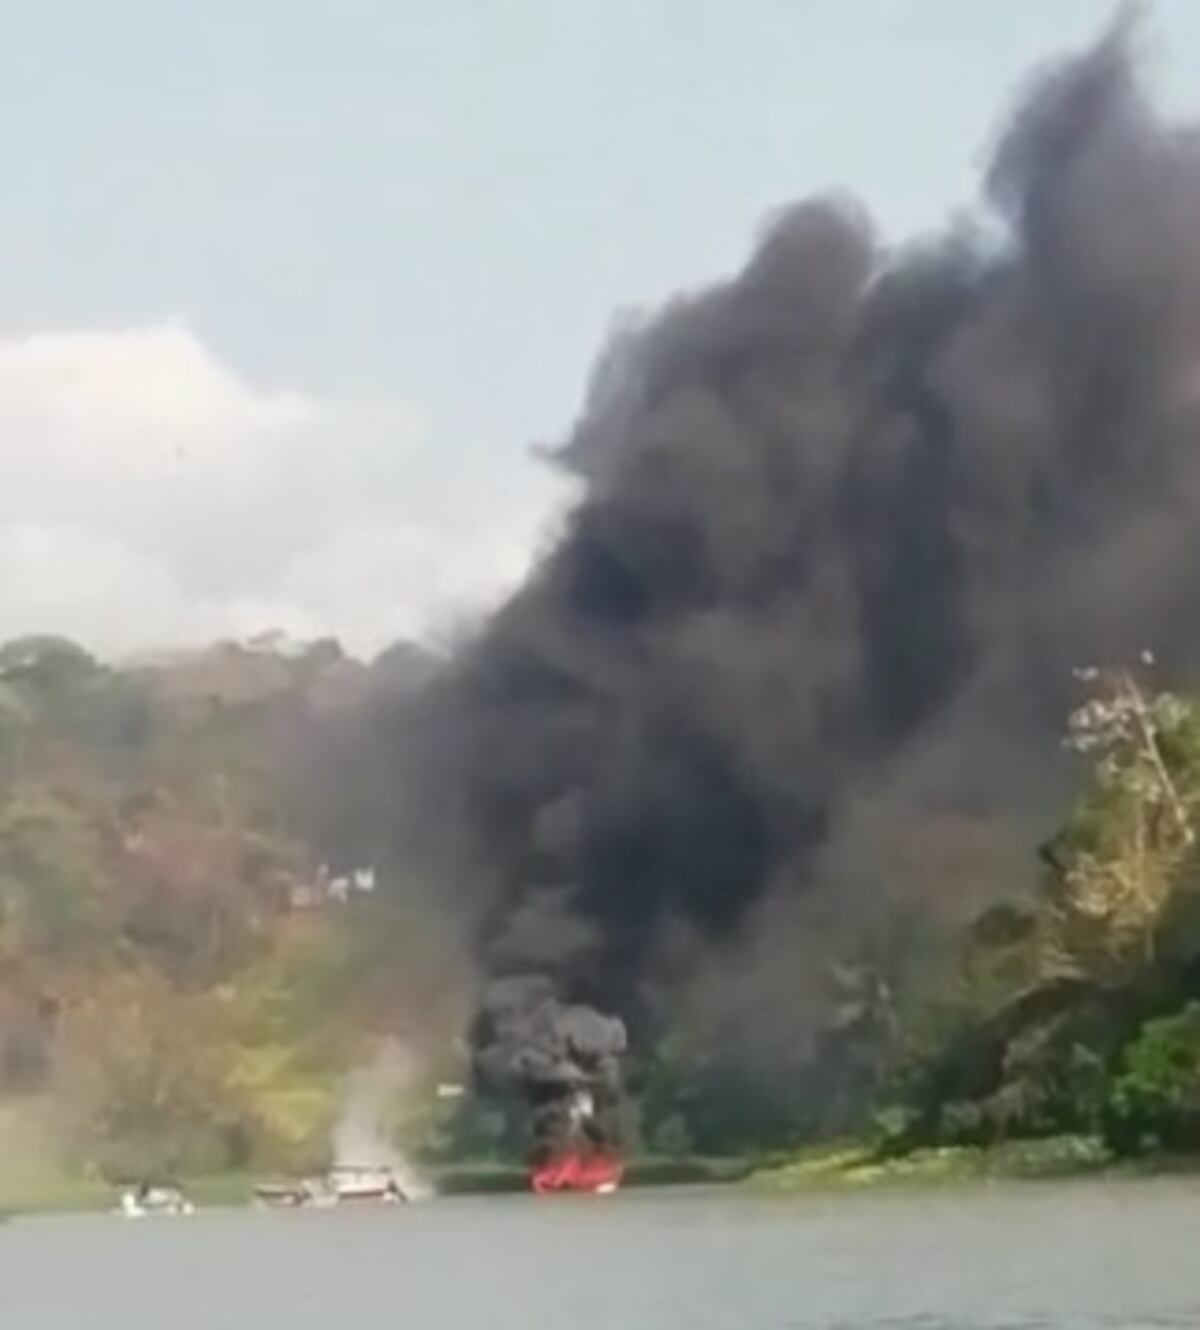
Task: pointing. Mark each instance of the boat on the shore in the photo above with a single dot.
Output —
(343, 1184)
(352, 1183)
(291, 1195)
(163, 1198)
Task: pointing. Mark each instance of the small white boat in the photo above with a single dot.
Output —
(351, 1183)
(154, 1199)
(307, 1193)
(284, 1195)
(343, 1184)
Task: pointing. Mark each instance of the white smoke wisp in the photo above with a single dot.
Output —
(582, 1108)
(361, 1138)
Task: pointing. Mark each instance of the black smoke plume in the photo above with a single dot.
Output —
(847, 522)
(562, 1060)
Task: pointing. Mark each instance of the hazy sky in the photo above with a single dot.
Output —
(287, 287)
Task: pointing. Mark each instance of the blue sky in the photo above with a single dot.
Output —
(412, 222)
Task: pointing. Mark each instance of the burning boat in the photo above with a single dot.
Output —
(578, 1171)
(579, 1158)
(565, 1062)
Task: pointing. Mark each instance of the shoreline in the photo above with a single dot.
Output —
(853, 1167)
(845, 1168)
(65, 1194)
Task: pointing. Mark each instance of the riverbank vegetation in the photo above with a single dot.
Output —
(1076, 1009)
(201, 934)
(1065, 1034)
(862, 1166)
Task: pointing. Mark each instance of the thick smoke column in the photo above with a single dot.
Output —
(564, 1061)
(847, 523)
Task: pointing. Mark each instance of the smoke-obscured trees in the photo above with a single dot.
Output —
(1089, 980)
(848, 521)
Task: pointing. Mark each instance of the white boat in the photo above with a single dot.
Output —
(284, 1195)
(353, 1183)
(343, 1184)
(154, 1199)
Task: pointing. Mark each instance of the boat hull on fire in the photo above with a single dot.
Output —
(596, 1174)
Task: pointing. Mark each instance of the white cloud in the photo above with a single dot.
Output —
(151, 496)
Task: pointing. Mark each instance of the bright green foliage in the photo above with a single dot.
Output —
(1155, 1098)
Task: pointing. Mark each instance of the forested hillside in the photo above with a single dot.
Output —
(203, 930)
(191, 956)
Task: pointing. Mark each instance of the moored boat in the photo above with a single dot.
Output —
(287, 1195)
(343, 1184)
(154, 1199)
(353, 1183)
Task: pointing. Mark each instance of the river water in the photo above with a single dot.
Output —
(1065, 1257)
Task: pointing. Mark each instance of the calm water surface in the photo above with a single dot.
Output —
(1071, 1257)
